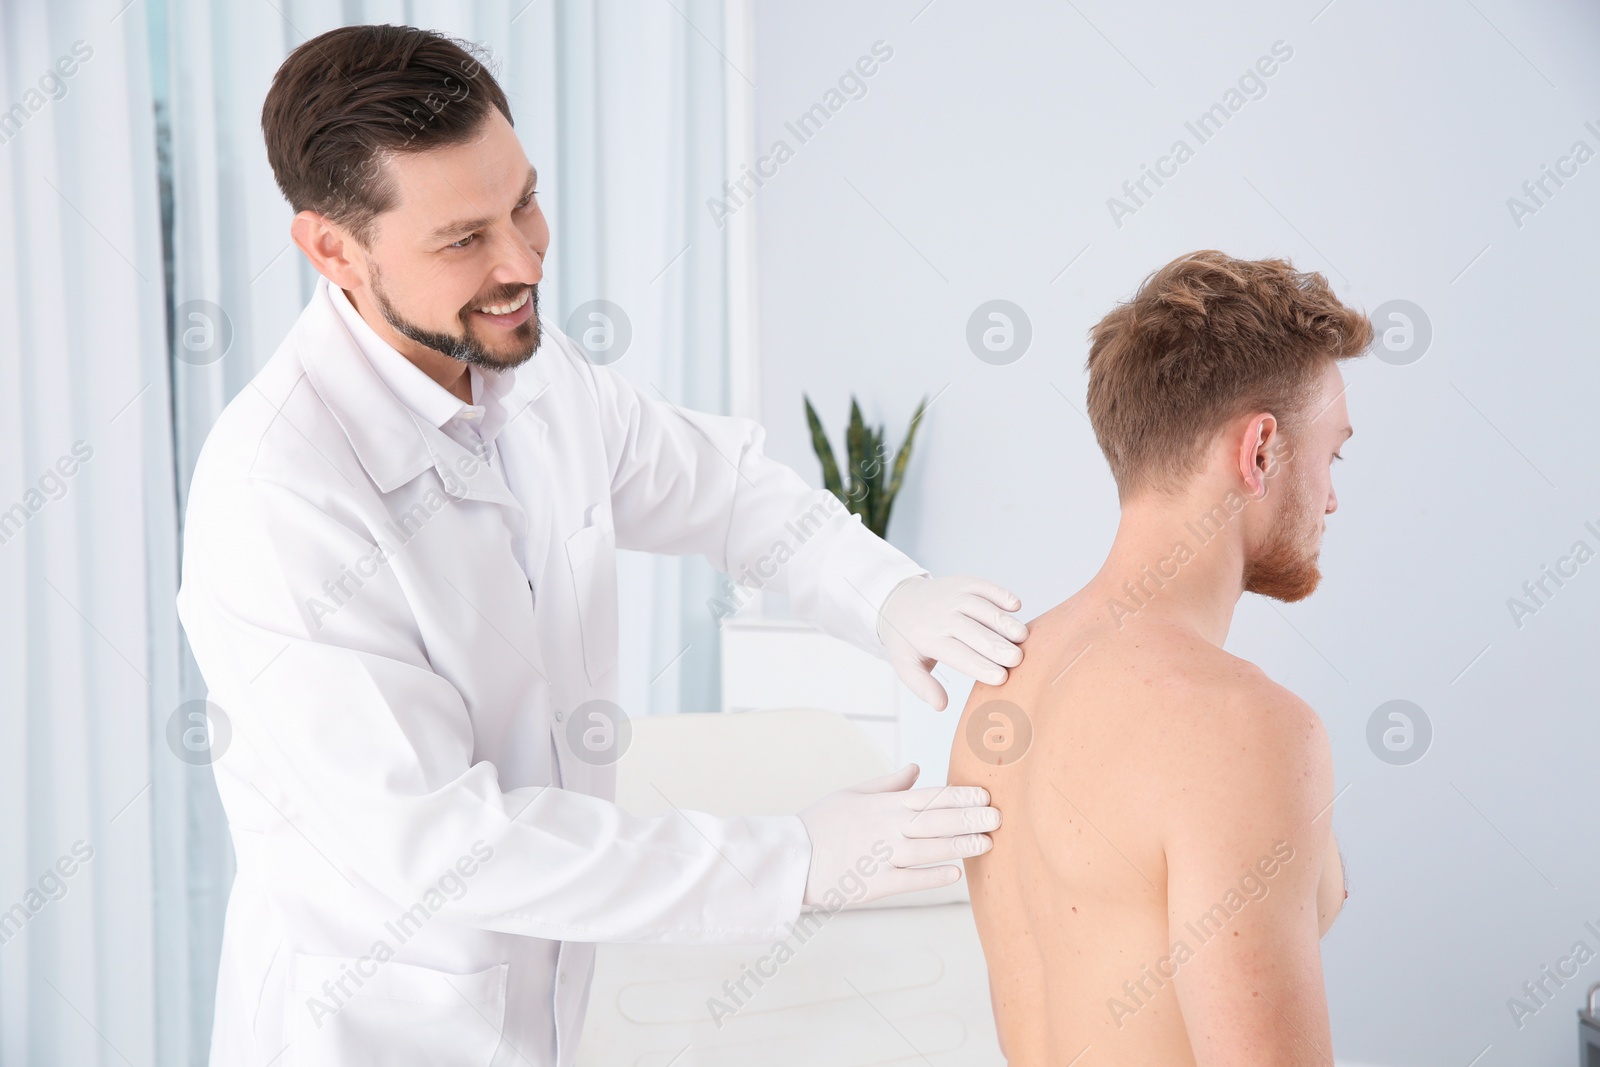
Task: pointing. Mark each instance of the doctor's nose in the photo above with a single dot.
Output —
(518, 260)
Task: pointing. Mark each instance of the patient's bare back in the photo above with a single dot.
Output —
(1161, 843)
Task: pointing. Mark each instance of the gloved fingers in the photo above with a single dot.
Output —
(909, 880)
(985, 642)
(921, 682)
(997, 595)
(896, 782)
(945, 796)
(971, 583)
(916, 672)
(958, 655)
(982, 610)
(951, 822)
(915, 853)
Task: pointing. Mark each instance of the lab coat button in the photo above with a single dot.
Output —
(558, 716)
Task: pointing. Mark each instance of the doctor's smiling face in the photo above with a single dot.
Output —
(412, 194)
(454, 267)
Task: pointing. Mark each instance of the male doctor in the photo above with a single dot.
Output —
(399, 582)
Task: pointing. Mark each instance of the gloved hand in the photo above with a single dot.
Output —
(868, 836)
(961, 621)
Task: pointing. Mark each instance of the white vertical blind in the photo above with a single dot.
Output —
(87, 568)
(146, 274)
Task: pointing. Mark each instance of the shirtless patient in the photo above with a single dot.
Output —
(1167, 866)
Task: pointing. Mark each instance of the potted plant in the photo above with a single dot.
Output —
(867, 494)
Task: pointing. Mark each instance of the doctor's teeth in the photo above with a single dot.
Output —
(506, 309)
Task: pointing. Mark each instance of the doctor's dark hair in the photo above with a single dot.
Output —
(1206, 339)
(346, 100)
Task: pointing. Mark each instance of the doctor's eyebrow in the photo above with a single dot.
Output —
(461, 226)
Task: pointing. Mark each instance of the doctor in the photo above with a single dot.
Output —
(399, 582)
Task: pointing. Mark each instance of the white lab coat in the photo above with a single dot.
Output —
(424, 865)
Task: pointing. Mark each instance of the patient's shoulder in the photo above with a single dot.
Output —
(1255, 754)
(1218, 722)
(1188, 678)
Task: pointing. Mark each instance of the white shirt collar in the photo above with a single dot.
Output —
(411, 384)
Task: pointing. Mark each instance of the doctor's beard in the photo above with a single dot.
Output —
(467, 348)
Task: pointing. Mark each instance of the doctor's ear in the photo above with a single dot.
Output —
(1261, 448)
(328, 246)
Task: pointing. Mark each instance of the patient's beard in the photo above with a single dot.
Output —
(1285, 568)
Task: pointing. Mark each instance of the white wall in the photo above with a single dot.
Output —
(978, 165)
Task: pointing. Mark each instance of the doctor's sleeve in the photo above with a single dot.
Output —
(684, 481)
(342, 729)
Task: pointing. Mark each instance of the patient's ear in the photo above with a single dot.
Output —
(1258, 446)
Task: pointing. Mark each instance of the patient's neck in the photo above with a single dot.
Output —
(1180, 560)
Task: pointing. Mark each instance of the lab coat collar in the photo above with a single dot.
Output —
(392, 442)
(411, 384)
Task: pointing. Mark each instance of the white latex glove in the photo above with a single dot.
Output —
(869, 840)
(961, 621)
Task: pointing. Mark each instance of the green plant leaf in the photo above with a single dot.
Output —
(878, 464)
(855, 437)
(901, 459)
(824, 451)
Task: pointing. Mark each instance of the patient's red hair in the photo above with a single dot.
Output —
(1208, 338)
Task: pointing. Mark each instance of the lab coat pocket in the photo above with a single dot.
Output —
(361, 1011)
(592, 555)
